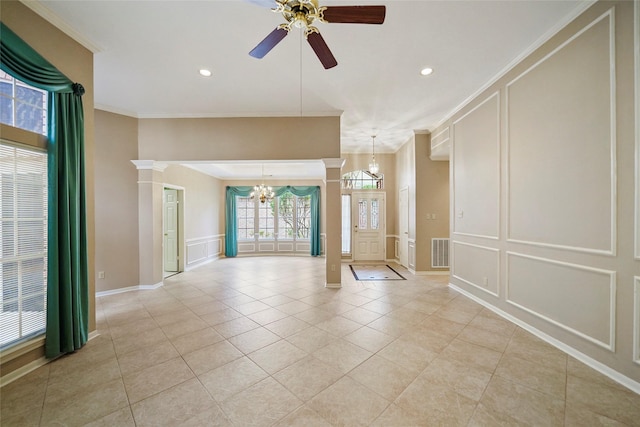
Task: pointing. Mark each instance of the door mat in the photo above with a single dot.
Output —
(374, 272)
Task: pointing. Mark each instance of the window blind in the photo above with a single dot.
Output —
(23, 242)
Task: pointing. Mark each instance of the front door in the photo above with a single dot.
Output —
(170, 230)
(368, 226)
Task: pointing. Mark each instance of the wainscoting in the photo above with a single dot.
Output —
(203, 249)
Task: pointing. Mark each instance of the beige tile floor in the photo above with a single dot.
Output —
(260, 341)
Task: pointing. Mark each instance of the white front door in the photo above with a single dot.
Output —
(170, 230)
(368, 226)
(403, 222)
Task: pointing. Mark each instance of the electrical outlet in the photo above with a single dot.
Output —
(333, 267)
(100, 274)
(485, 281)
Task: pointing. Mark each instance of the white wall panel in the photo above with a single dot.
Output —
(202, 249)
(476, 173)
(577, 298)
(561, 145)
(478, 266)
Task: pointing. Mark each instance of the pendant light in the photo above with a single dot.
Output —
(374, 168)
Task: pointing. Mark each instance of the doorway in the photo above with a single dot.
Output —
(172, 231)
(369, 227)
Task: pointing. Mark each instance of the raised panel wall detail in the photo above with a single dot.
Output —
(476, 173)
(202, 249)
(477, 266)
(561, 146)
(577, 298)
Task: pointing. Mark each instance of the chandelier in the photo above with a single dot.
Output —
(374, 168)
(262, 191)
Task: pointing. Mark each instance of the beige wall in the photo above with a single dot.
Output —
(253, 138)
(432, 198)
(76, 63)
(542, 209)
(116, 201)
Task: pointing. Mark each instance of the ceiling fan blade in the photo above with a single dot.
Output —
(269, 42)
(355, 14)
(322, 50)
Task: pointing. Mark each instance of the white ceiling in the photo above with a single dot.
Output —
(148, 53)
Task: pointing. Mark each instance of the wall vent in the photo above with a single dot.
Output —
(439, 253)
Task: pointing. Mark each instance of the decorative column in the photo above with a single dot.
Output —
(150, 221)
(333, 222)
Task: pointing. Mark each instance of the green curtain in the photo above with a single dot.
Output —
(231, 238)
(67, 267)
(230, 228)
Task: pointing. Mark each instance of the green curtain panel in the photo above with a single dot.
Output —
(67, 268)
(231, 235)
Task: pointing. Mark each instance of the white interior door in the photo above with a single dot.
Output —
(403, 222)
(368, 226)
(170, 230)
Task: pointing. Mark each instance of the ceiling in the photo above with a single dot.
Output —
(148, 53)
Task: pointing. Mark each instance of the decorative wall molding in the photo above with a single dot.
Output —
(584, 5)
(611, 251)
(469, 282)
(600, 367)
(440, 138)
(455, 209)
(203, 249)
(610, 344)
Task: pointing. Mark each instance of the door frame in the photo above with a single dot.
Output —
(403, 236)
(180, 239)
(354, 220)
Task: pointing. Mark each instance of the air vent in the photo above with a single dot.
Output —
(439, 253)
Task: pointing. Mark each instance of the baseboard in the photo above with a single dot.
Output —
(598, 366)
(23, 370)
(431, 273)
(333, 285)
(205, 262)
(128, 289)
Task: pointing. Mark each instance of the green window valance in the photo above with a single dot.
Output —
(231, 229)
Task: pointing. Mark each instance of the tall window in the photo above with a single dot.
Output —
(23, 241)
(245, 213)
(22, 106)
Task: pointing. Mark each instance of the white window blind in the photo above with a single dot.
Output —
(23, 241)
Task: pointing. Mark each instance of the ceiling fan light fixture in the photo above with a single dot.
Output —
(426, 71)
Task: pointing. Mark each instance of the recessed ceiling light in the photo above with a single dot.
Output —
(426, 71)
(205, 72)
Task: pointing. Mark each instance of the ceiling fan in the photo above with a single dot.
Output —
(304, 13)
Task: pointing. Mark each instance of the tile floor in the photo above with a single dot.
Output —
(260, 342)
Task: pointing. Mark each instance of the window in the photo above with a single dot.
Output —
(266, 225)
(22, 106)
(286, 217)
(245, 214)
(23, 242)
(362, 180)
(346, 223)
